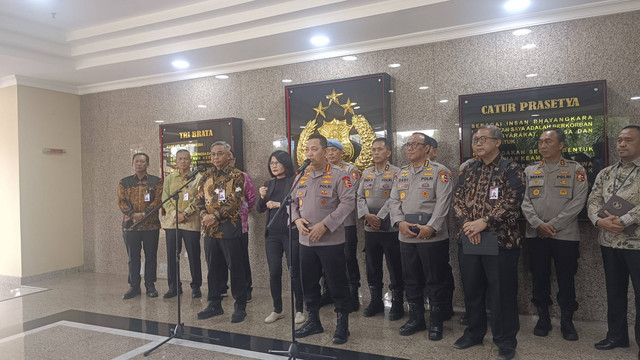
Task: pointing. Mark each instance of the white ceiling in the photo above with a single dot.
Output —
(97, 45)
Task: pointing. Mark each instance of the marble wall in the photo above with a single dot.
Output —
(118, 122)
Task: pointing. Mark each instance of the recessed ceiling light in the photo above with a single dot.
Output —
(180, 64)
(528, 46)
(350, 58)
(202, 106)
(302, 126)
(423, 87)
(222, 76)
(286, 80)
(262, 119)
(444, 101)
(516, 5)
(521, 32)
(356, 107)
(635, 98)
(391, 90)
(531, 75)
(319, 40)
(394, 65)
(535, 115)
(159, 121)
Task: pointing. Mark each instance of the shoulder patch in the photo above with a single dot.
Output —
(445, 176)
(347, 181)
(581, 176)
(355, 175)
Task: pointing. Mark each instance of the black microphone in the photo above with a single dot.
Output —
(304, 165)
(195, 172)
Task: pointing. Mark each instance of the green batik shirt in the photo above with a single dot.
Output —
(220, 193)
(186, 202)
(603, 189)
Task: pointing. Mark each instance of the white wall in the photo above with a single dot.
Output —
(10, 257)
(50, 185)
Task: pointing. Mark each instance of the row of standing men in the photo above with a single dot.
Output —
(409, 205)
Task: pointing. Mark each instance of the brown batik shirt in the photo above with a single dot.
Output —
(140, 195)
(494, 190)
(220, 193)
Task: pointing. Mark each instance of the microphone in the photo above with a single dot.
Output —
(195, 172)
(304, 165)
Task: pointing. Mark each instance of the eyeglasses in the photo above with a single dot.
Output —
(218, 154)
(481, 140)
(274, 163)
(412, 145)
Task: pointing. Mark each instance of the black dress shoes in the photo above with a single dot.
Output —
(171, 294)
(238, 316)
(152, 292)
(131, 293)
(505, 353)
(195, 293)
(465, 343)
(210, 311)
(607, 344)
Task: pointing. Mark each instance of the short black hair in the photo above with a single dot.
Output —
(323, 140)
(559, 132)
(140, 154)
(283, 158)
(386, 142)
(637, 127)
(183, 150)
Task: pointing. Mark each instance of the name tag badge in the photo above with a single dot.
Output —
(147, 197)
(185, 197)
(493, 193)
(221, 195)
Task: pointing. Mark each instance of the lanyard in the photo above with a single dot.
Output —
(615, 178)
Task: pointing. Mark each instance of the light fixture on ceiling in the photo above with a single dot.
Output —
(262, 119)
(443, 101)
(423, 87)
(302, 126)
(516, 5)
(202, 106)
(535, 115)
(521, 32)
(350, 58)
(635, 98)
(319, 40)
(159, 121)
(528, 46)
(222, 76)
(356, 107)
(286, 80)
(180, 64)
(394, 65)
(531, 75)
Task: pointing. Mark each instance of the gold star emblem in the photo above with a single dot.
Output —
(320, 109)
(333, 97)
(348, 106)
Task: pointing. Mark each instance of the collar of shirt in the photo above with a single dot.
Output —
(495, 162)
(140, 180)
(416, 170)
(225, 170)
(635, 162)
(380, 172)
(316, 173)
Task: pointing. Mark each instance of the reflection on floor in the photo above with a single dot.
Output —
(8, 292)
(84, 317)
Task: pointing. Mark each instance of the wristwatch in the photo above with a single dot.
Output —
(485, 219)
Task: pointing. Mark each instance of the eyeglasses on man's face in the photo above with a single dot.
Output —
(481, 140)
(413, 145)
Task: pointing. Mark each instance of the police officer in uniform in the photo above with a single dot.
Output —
(419, 204)
(334, 156)
(556, 193)
(322, 199)
(380, 238)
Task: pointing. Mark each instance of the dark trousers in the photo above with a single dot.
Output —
(565, 256)
(426, 265)
(247, 265)
(135, 241)
(275, 245)
(192, 244)
(619, 265)
(351, 254)
(377, 244)
(224, 255)
(497, 275)
(314, 260)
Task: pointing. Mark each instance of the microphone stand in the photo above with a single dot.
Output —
(293, 351)
(178, 330)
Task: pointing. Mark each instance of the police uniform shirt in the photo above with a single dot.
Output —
(374, 191)
(555, 194)
(355, 181)
(328, 196)
(425, 189)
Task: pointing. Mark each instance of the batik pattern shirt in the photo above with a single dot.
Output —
(140, 195)
(221, 193)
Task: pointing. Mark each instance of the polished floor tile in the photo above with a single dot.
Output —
(8, 291)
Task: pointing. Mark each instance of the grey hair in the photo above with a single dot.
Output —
(495, 131)
(221, 143)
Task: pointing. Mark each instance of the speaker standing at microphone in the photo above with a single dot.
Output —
(188, 224)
